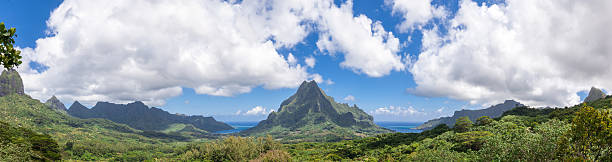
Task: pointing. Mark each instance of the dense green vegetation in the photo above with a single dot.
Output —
(30, 130)
(85, 139)
(21, 144)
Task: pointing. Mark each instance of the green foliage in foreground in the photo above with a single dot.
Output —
(20, 144)
(236, 149)
(9, 56)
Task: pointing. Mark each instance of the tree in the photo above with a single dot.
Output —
(463, 124)
(590, 136)
(9, 56)
(484, 120)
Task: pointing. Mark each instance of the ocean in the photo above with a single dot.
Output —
(403, 127)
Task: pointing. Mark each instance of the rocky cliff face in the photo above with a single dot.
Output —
(594, 94)
(493, 112)
(140, 116)
(310, 110)
(10, 82)
(55, 104)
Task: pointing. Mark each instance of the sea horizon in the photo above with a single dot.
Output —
(397, 126)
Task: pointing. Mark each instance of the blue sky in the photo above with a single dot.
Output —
(410, 90)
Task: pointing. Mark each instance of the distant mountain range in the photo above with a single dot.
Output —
(138, 115)
(493, 112)
(310, 115)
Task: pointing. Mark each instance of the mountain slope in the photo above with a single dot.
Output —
(78, 137)
(310, 115)
(56, 104)
(138, 115)
(493, 112)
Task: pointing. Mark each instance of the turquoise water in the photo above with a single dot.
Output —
(238, 126)
(403, 127)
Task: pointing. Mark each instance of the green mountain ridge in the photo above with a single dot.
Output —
(493, 112)
(311, 115)
(140, 116)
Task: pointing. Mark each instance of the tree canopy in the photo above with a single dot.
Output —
(9, 56)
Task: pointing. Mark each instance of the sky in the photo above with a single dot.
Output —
(398, 60)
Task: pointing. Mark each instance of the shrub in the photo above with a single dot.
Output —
(463, 124)
(230, 149)
(274, 156)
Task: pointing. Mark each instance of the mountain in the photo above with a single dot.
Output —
(310, 115)
(10, 82)
(140, 116)
(78, 137)
(594, 94)
(56, 104)
(493, 112)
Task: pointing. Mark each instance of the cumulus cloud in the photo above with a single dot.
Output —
(392, 110)
(291, 59)
(258, 110)
(415, 12)
(540, 53)
(319, 79)
(121, 51)
(367, 47)
(310, 61)
(349, 98)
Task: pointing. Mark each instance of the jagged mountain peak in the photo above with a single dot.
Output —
(55, 104)
(309, 109)
(77, 104)
(10, 82)
(137, 103)
(595, 94)
(140, 116)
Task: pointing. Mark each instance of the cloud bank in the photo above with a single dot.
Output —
(147, 50)
(540, 53)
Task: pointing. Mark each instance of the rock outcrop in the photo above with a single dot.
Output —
(55, 104)
(595, 94)
(10, 82)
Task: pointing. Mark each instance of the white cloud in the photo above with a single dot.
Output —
(415, 12)
(258, 110)
(540, 53)
(440, 110)
(398, 111)
(291, 59)
(187, 102)
(319, 79)
(121, 51)
(349, 98)
(366, 46)
(310, 61)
